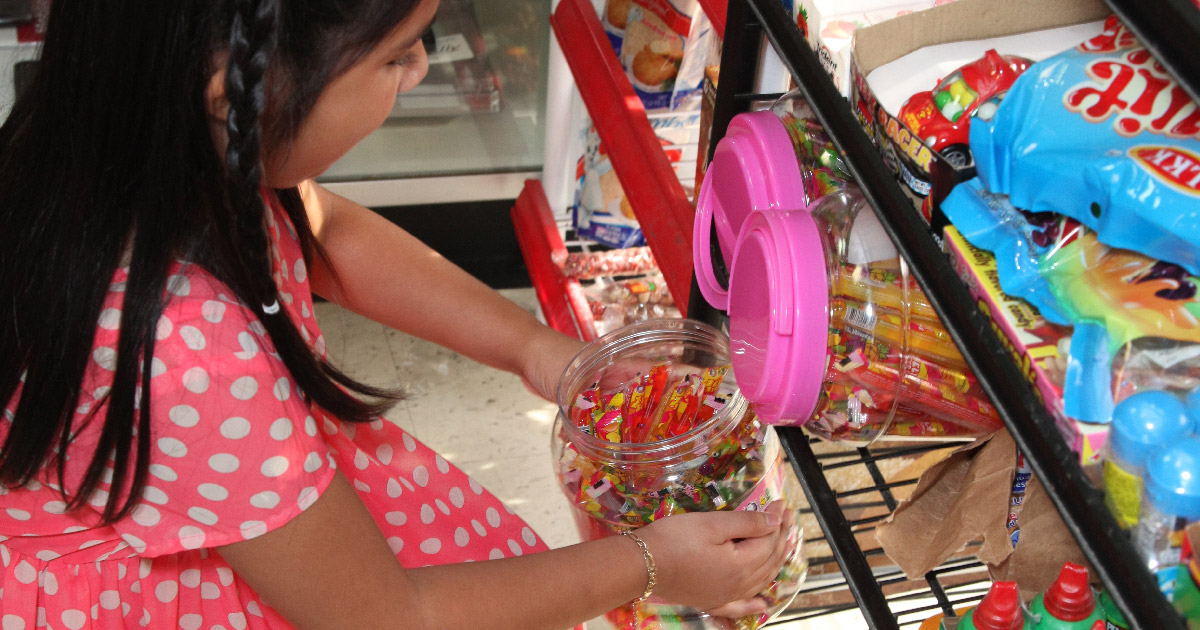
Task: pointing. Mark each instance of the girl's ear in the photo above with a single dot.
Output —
(214, 96)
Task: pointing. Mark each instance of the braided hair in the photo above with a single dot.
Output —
(111, 140)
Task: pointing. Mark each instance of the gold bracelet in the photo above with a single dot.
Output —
(651, 568)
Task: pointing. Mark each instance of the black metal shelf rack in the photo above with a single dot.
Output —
(1170, 28)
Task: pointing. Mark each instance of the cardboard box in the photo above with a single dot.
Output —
(1038, 347)
(912, 52)
(829, 25)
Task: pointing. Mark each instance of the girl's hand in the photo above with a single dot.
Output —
(718, 561)
(547, 356)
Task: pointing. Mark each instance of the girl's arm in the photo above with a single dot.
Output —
(330, 567)
(389, 276)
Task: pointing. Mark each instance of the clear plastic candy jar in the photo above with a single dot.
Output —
(651, 424)
(828, 330)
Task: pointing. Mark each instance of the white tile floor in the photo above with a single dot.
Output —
(482, 420)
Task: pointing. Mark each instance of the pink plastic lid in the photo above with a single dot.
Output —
(754, 167)
(779, 315)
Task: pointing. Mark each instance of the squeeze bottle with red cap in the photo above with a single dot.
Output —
(1068, 604)
(999, 610)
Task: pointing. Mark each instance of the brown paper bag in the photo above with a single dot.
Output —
(966, 497)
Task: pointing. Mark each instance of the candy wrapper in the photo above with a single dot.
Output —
(614, 262)
(617, 303)
(1101, 133)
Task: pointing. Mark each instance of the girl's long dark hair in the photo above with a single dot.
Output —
(110, 153)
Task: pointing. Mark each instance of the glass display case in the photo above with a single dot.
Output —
(475, 127)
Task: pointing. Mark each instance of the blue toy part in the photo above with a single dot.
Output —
(1087, 386)
(1173, 478)
(1145, 422)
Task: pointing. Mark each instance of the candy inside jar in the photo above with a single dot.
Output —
(651, 424)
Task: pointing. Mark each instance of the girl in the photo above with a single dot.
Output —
(176, 452)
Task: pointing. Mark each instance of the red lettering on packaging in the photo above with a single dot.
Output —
(1114, 37)
(1175, 165)
(1139, 92)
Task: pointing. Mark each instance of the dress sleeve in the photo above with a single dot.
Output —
(235, 450)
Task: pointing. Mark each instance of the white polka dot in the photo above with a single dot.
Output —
(237, 620)
(528, 537)
(461, 537)
(191, 537)
(282, 389)
(138, 544)
(157, 367)
(395, 543)
(144, 568)
(475, 487)
(192, 337)
(235, 428)
(442, 465)
(223, 462)
(172, 447)
(393, 488)
(225, 576)
(441, 505)
(313, 462)
(495, 554)
(265, 500)
(396, 518)
(281, 429)
(362, 486)
(25, 573)
(212, 491)
(20, 515)
(12, 622)
(99, 498)
(49, 583)
(319, 345)
(479, 528)
(307, 497)
(249, 346)
(274, 466)
(421, 476)
(196, 380)
(456, 497)
(384, 454)
(213, 311)
(493, 517)
(110, 599)
(253, 609)
(190, 578)
(154, 495)
(407, 484)
(310, 426)
(431, 546)
(244, 388)
(330, 427)
(299, 270)
(164, 328)
(74, 619)
(514, 547)
(190, 621)
(410, 444)
(349, 428)
(105, 357)
(360, 460)
(427, 514)
(166, 591)
(145, 515)
(253, 529)
(163, 472)
(185, 416)
(201, 515)
(208, 590)
(110, 319)
(179, 285)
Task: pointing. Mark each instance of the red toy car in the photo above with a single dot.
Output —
(941, 117)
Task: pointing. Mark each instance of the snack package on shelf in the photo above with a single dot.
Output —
(829, 25)
(616, 303)
(602, 212)
(1103, 134)
(664, 48)
(1111, 297)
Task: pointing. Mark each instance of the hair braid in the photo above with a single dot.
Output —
(252, 39)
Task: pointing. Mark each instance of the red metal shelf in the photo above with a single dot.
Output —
(563, 303)
(654, 192)
(716, 10)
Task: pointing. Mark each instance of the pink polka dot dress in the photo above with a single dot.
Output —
(237, 453)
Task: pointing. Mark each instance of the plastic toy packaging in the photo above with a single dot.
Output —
(1142, 312)
(1101, 133)
(651, 423)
